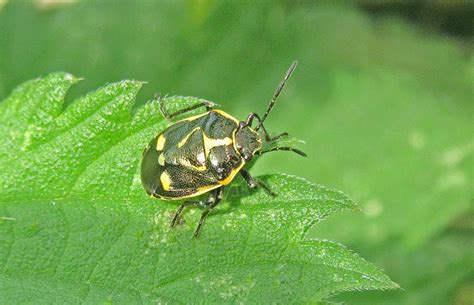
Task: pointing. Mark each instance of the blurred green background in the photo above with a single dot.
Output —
(382, 97)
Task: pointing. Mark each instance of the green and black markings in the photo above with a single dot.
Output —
(203, 153)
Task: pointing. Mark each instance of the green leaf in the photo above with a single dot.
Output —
(382, 122)
(76, 225)
(448, 262)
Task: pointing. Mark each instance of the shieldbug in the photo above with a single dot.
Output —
(203, 153)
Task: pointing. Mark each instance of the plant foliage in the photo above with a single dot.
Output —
(76, 225)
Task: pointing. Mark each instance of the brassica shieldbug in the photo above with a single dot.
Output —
(203, 153)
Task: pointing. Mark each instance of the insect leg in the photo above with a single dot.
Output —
(214, 199)
(281, 135)
(254, 182)
(177, 215)
(169, 116)
(297, 151)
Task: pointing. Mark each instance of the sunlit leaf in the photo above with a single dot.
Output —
(76, 225)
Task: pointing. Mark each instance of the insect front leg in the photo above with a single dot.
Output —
(254, 182)
(213, 199)
(297, 151)
(169, 116)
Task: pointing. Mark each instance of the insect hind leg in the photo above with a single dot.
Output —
(169, 116)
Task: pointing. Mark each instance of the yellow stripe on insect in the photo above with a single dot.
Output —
(183, 141)
(199, 191)
(160, 142)
(211, 143)
(161, 159)
(203, 189)
(226, 115)
(192, 118)
(232, 174)
(165, 181)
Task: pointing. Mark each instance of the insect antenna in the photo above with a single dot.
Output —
(277, 93)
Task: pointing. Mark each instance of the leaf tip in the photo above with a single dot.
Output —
(62, 77)
(394, 285)
(129, 83)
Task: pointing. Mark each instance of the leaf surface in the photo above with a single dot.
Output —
(76, 225)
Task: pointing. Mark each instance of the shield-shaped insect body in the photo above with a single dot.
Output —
(203, 153)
